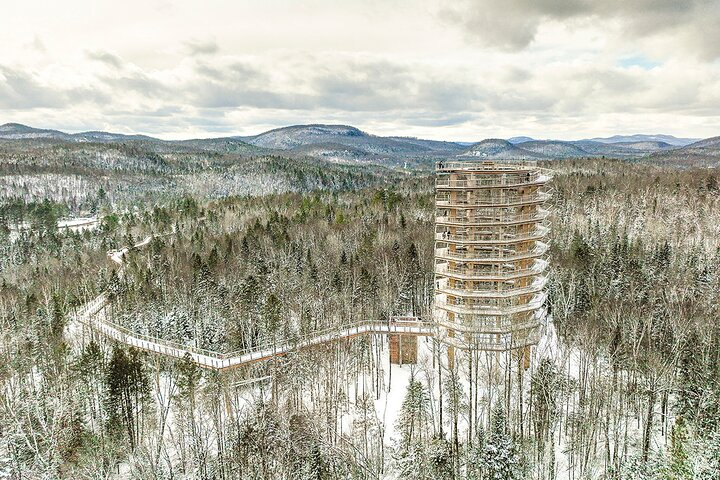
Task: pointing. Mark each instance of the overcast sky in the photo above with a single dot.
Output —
(480, 68)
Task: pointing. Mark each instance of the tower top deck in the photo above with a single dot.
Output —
(487, 166)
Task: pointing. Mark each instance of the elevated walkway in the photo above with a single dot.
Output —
(92, 315)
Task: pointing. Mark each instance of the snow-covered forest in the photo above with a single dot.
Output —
(143, 173)
(624, 385)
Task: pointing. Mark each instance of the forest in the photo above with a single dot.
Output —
(142, 174)
(625, 383)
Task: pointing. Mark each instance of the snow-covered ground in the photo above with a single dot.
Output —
(77, 224)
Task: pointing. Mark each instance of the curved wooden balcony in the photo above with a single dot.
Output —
(504, 327)
(499, 201)
(535, 287)
(515, 181)
(489, 310)
(489, 166)
(496, 275)
(499, 255)
(492, 341)
(540, 232)
(485, 220)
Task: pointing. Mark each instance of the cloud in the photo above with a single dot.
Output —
(136, 82)
(38, 45)
(23, 90)
(19, 89)
(543, 68)
(106, 58)
(197, 48)
(491, 26)
(688, 27)
(373, 91)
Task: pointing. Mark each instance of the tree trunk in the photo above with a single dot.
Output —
(648, 424)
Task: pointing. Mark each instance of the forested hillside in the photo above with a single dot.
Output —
(143, 172)
(625, 383)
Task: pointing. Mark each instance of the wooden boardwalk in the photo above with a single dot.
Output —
(92, 314)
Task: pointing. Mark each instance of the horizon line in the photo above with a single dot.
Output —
(219, 135)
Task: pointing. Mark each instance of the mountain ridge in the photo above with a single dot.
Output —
(640, 137)
(345, 143)
(296, 137)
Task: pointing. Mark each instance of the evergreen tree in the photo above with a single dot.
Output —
(500, 459)
(128, 387)
(414, 415)
(679, 466)
(272, 314)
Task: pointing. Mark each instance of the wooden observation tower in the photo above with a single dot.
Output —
(490, 255)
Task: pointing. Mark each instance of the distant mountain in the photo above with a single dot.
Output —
(433, 145)
(17, 131)
(223, 144)
(669, 139)
(109, 137)
(702, 153)
(286, 138)
(708, 143)
(333, 152)
(298, 137)
(613, 150)
(348, 144)
(515, 140)
(498, 149)
(339, 143)
(647, 145)
(553, 148)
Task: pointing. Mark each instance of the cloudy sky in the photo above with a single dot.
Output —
(455, 70)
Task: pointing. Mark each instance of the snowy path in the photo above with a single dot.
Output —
(92, 314)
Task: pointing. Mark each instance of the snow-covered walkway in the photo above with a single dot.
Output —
(92, 314)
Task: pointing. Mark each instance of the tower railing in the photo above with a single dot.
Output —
(490, 220)
(502, 292)
(504, 325)
(469, 237)
(498, 274)
(498, 201)
(498, 254)
(501, 181)
(487, 166)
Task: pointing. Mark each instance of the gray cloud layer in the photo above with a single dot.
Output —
(514, 24)
(202, 48)
(545, 67)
